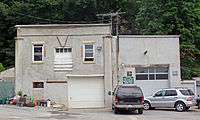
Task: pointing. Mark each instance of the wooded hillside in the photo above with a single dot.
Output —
(154, 17)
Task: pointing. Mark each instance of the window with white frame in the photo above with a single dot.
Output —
(152, 73)
(88, 52)
(38, 52)
(63, 59)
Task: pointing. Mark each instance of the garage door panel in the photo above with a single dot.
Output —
(151, 86)
(84, 104)
(86, 93)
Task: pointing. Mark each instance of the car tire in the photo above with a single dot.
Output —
(147, 105)
(140, 111)
(180, 106)
(116, 110)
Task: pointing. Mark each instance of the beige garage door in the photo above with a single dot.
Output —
(86, 92)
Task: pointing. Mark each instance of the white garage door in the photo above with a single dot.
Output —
(86, 93)
(151, 86)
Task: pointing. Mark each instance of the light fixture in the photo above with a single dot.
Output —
(99, 48)
(145, 52)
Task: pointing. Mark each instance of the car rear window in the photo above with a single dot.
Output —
(191, 92)
(129, 90)
(187, 92)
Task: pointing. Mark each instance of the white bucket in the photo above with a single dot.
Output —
(48, 103)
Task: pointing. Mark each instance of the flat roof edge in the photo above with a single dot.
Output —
(149, 36)
(60, 25)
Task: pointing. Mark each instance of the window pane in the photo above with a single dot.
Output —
(88, 54)
(142, 77)
(57, 50)
(61, 50)
(38, 84)
(141, 70)
(151, 76)
(129, 90)
(191, 92)
(162, 70)
(88, 51)
(158, 94)
(37, 57)
(37, 49)
(69, 49)
(89, 59)
(151, 70)
(161, 76)
(88, 46)
(65, 50)
(185, 92)
(170, 93)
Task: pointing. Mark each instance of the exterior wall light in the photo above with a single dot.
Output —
(145, 52)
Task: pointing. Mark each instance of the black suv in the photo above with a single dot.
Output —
(127, 97)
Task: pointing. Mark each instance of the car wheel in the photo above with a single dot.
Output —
(147, 105)
(116, 110)
(180, 107)
(140, 111)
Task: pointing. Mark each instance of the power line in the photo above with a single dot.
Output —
(50, 20)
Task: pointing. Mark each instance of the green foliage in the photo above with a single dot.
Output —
(171, 17)
(19, 93)
(174, 17)
(1, 68)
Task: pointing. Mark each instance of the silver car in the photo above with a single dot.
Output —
(179, 98)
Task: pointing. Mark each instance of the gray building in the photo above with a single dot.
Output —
(153, 61)
(77, 65)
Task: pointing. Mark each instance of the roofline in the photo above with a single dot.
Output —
(60, 25)
(149, 36)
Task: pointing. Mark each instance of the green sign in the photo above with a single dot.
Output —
(128, 80)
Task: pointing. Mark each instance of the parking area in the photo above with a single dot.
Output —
(8, 112)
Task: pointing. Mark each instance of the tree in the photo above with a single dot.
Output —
(174, 17)
(1, 67)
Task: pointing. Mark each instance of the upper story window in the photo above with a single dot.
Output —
(38, 52)
(63, 50)
(152, 73)
(88, 53)
(63, 59)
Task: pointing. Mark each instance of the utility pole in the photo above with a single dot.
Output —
(117, 15)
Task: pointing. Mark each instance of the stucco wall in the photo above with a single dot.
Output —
(161, 50)
(27, 71)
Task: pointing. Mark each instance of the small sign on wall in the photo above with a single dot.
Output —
(175, 73)
(128, 80)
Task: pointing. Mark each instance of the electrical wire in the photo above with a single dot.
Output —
(50, 20)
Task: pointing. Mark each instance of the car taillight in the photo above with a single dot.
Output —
(116, 100)
(189, 99)
(142, 99)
